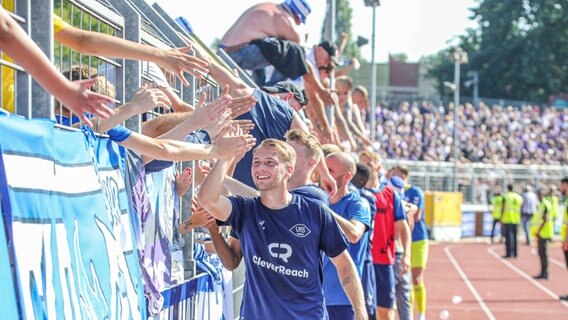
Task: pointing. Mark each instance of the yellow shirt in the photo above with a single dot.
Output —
(512, 208)
(9, 75)
(59, 24)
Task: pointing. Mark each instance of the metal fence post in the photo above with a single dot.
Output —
(23, 100)
(132, 70)
(41, 31)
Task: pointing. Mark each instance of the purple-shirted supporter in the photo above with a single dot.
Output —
(496, 135)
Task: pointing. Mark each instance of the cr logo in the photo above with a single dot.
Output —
(280, 250)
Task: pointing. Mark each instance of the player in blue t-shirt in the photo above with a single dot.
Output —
(358, 182)
(308, 154)
(282, 236)
(353, 215)
(419, 247)
(389, 224)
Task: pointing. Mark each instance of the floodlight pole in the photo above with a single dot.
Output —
(372, 116)
(459, 57)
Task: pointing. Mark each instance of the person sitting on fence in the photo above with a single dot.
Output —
(360, 97)
(271, 115)
(16, 43)
(265, 34)
(264, 23)
(351, 113)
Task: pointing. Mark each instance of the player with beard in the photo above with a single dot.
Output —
(353, 215)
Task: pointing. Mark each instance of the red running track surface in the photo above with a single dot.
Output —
(491, 287)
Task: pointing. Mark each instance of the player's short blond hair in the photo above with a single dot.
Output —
(373, 155)
(309, 141)
(285, 152)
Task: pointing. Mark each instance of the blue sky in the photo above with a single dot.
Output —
(422, 27)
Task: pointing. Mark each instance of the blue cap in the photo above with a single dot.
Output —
(184, 23)
(301, 8)
(397, 182)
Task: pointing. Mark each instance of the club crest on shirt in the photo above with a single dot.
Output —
(300, 230)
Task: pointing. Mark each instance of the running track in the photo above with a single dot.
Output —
(491, 287)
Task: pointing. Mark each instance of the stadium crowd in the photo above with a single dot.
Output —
(487, 134)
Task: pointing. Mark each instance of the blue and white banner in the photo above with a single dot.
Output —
(72, 240)
(7, 291)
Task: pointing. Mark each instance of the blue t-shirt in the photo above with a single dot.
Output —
(415, 195)
(350, 207)
(272, 117)
(311, 191)
(281, 250)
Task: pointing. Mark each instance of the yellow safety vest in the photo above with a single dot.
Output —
(565, 221)
(497, 203)
(547, 231)
(512, 208)
(554, 203)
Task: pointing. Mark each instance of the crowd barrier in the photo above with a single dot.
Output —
(87, 238)
(128, 258)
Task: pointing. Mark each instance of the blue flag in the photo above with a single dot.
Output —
(72, 240)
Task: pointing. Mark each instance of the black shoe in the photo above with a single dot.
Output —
(506, 257)
(541, 277)
(565, 298)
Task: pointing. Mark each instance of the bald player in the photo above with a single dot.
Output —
(353, 215)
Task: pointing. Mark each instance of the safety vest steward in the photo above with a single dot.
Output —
(564, 229)
(497, 203)
(512, 208)
(547, 231)
(554, 203)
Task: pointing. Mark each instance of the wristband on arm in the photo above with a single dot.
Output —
(119, 133)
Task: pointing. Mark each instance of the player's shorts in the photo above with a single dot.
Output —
(384, 275)
(340, 312)
(419, 254)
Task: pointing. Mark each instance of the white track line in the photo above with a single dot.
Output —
(526, 276)
(468, 283)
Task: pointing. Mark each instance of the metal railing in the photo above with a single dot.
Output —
(478, 182)
(133, 20)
